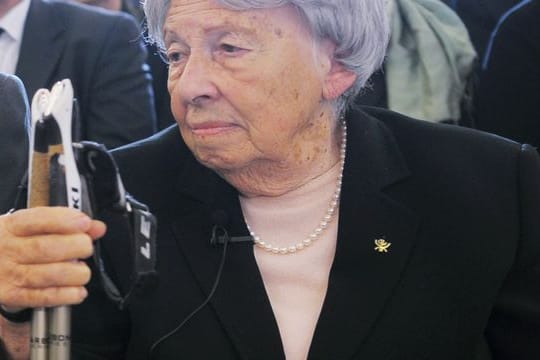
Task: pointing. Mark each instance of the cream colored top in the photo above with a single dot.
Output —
(296, 284)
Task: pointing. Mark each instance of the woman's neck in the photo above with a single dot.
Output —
(267, 178)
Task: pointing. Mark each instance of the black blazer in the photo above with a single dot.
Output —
(14, 120)
(461, 279)
(101, 52)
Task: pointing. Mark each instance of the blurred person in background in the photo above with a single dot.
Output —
(429, 63)
(481, 17)
(509, 93)
(158, 66)
(101, 52)
(14, 122)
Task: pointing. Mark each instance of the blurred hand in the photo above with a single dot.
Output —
(39, 253)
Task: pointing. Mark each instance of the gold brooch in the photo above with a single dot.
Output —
(382, 245)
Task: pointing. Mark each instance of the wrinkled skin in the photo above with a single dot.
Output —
(38, 248)
(252, 92)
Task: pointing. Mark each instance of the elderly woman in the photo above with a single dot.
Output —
(370, 235)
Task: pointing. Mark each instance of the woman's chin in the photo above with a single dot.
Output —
(219, 160)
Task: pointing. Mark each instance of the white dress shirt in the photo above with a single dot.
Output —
(11, 38)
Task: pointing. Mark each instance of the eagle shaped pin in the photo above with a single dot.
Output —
(381, 245)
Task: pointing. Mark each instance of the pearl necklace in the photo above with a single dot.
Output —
(326, 219)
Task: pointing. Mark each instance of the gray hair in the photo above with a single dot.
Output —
(358, 28)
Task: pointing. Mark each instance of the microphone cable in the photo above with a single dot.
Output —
(205, 302)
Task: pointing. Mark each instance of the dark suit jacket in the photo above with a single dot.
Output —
(480, 17)
(102, 54)
(509, 94)
(460, 281)
(14, 121)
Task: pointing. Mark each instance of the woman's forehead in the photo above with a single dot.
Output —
(185, 16)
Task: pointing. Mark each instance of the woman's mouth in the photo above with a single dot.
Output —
(212, 128)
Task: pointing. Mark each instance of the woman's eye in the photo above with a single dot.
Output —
(174, 57)
(231, 49)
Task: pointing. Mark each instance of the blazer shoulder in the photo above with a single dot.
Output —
(86, 17)
(12, 83)
(152, 165)
(13, 101)
(443, 139)
(452, 157)
(163, 148)
(14, 119)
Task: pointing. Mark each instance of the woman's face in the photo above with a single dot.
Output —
(246, 86)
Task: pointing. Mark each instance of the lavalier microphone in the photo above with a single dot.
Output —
(219, 230)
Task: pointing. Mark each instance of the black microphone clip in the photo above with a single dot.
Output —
(220, 236)
(219, 233)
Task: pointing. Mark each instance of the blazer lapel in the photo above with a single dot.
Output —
(363, 274)
(42, 46)
(240, 301)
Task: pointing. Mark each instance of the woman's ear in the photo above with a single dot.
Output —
(338, 78)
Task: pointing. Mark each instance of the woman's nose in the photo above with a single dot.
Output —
(195, 83)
